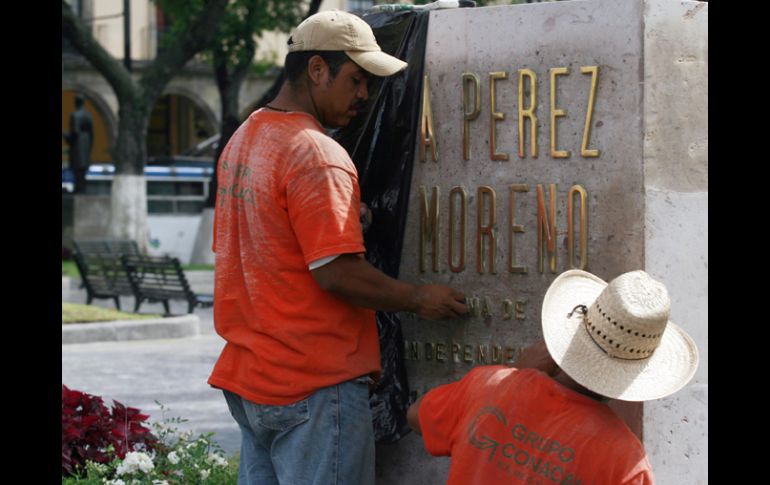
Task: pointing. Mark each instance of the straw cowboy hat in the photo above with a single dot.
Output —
(616, 339)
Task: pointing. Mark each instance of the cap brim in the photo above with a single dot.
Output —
(377, 62)
(667, 370)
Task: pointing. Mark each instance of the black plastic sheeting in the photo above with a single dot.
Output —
(382, 144)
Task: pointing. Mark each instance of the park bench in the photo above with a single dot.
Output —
(160, 279)
(101, 271)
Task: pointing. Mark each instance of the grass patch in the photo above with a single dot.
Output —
(69, 268)
(198, 267)
(74, 313)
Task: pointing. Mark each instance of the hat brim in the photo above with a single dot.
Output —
(377, 62)
(667, 370)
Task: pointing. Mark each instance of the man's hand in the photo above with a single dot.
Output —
(436, 302)
(536, 356)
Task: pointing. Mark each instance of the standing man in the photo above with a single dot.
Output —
(293, 294)
(80, 140)
(545, 420)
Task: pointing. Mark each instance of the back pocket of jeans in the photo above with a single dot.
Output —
(281, 418)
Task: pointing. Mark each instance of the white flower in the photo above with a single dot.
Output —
(135, 461)
(159, 482)
(217, 460)
(117, 481)
(204, 474)
(173, 458)
(186, 435)
(98, 467)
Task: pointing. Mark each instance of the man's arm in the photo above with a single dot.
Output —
(353, 279)
(413, 415)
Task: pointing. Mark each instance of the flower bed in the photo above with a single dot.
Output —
(114, 447)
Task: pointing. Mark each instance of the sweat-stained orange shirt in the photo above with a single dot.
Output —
(505, 425)
(288, 195)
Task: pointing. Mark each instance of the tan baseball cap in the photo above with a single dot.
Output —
(334, 30)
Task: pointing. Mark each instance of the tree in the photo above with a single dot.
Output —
(273, 91)
(136, 99)
(232, 51)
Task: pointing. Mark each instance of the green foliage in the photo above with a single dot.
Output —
(243, 22)
(180, 459)
(179, 15)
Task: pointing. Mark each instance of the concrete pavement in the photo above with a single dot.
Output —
(172, 371)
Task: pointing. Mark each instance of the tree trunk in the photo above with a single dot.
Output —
(128, 200)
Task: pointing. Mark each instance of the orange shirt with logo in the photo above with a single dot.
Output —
(505, 425)
(288, 195)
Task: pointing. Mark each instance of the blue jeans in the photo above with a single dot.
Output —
(326, 439)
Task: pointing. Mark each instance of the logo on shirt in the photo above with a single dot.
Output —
(519, 451)
(235, 184)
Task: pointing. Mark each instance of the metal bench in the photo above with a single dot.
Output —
(101, 272)
(160, 279)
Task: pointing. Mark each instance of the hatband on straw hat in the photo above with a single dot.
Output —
(616, 339)
(334, 30)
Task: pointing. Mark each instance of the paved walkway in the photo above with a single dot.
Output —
(139, 372)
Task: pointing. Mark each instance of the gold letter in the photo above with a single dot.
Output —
(520, 304)
(426, 124)
(546, 235)
(497, 354)
(481, 354)
(556, 71)
(468, 353)
(473, 306)
(581, 192)
(456, 268)
(594, 72)
(529, 112)
(428, 351)
(473, 80)
(486, 310)
(440, 355)
(512, 267)
(507, 309)
(485, 230)
(455, 352)
(415, 350)
(429, 226)
(509, 354)
(494, 116)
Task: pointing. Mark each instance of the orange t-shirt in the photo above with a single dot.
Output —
(288, 195)
(504, 425)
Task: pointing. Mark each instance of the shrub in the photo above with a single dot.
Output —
(174, 459)
(91, 432)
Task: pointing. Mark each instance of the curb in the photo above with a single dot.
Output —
(122, 330)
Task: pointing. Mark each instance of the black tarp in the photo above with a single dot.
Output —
(382, 144)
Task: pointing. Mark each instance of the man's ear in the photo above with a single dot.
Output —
(316, 69)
